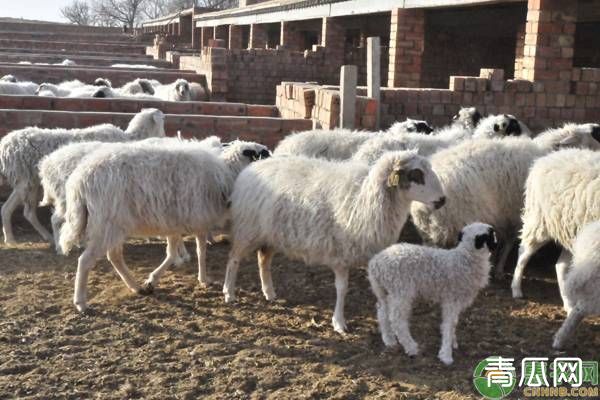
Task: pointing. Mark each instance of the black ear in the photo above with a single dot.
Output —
(496, 127)
(99, 94)
(422, 127)
(146, 86)
(460, 236)
(492, 241)
(455, 117)
(265, 154)
(596, 133)
(417, 176)
(480, 241)
(251, 154)
(476, 118)
(513, 127)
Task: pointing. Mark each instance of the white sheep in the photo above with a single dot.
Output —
(9, 78)
(339, 144)
(452, 278)
(467, 117)
(136, 86)
(176, 91)
(136, 66)
(500, 126)
(7, 86)
(73, 88)
(65, 62)
(582, 282)
(484, 180)
(21, 151)
(337, 214)
(562, 194)
(147, 191)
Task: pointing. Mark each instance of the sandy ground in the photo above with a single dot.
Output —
(184, 342)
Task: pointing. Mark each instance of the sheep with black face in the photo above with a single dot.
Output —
(500, 126)
(403, 273)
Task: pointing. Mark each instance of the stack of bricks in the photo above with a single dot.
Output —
(295, 100)
(212, 63)
(407, 44)
(326, 111)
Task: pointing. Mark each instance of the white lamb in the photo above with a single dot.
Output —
(452, 278)
(7, 86)
(73, 88)
(9, 78)
(147, 191)
(582, 282)
(500, 126)
(562, 194)
(176, 91)
(484, 180)
(21, 151)
(337, 214)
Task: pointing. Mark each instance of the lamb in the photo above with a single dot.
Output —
(484, 181)
(146, 191)
(467, 117)
(582, 282)
(74, 88)
(176, 91)
(21, 150)
(500, 126)
(338, 144)
(9, 78)
(556, 211)
(451, 278)
(137, 86)
(337, 214)
(136, 66)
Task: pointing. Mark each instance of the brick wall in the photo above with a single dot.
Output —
(101, 47)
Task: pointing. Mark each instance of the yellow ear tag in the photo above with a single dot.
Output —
(393, 179)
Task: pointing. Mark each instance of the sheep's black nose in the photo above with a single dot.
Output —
(439, 203)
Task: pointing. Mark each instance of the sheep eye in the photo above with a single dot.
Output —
(416, 176)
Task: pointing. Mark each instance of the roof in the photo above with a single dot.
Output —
(293, 10)
(174, 17)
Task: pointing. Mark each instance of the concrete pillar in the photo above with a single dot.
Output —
(196, 37)
(291, 38)
(549, 40)
(235, 37)
(258, 36)
(333, 38)
(407, 43)
(374, 73)
(348, 78)
(207, 34)
(519, 51)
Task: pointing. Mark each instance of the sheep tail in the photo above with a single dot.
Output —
(75, 224)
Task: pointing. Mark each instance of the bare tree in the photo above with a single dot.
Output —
(123, 12)
(78, 12)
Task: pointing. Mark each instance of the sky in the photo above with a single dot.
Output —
(47, 10)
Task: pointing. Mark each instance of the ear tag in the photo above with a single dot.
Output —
(393, 179)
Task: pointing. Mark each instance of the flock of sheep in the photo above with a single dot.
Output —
(335, 198)
(139, 89)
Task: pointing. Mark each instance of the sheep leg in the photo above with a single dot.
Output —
(562, 266)
(30, 213)
(57, 222)
(8, 208)
(170, 259)
(387, 334)
(526, 251)
(341, 287)
(265, 257)
(115, 256)
(502, 259)
(568, 327)
(87, 261)
(400, 311)
(233, 266)
(182, 254)
(450, 313)
(201, 253)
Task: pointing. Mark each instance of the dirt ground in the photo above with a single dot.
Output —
(184, 342)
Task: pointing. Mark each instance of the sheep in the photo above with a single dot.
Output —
(411, 125)
(176, 91)
(451, 278)
(136, 66)
(21, 150)
(7, 86)
(582, 282)
(137, 86)
(339, 144)
(198, 92)
(467, 117)
(9, 78)
(65, 62)
(56, 167)
(337, 214)
(74, 88)
(562, 194)
(500, 126)
(143, 191)
(484, 181)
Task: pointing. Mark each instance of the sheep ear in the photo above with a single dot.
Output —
(417, 176)
(568, 141)
(251, 154)
(265, 154)
(460, 236)
(596, 133)
(476, 118)
(100, 94)
(492, 240)
(480, 241)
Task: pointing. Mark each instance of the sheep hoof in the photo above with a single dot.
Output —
(447, 360)
(81, 307)
(229, 298)
(517, 293)
(339, 326)
(10, 242)
(205, 284)
(146, 289)
(270, 296)
(557, 344)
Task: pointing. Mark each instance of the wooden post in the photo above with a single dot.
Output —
(348, 77)
(374, 74)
